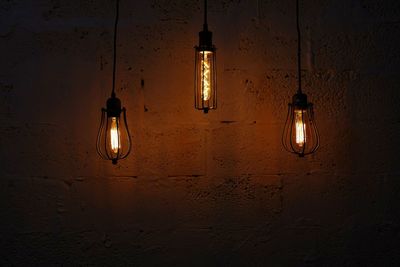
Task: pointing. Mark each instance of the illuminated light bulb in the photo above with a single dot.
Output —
(205, 80)
(300, 134)
(205, 84)
(300, 127)
(206, 74)
(113, 138)
(115, 135)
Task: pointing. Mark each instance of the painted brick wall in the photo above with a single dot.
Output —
(199, 190)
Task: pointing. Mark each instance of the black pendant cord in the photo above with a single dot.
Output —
(298, 48)
(115, 48)
(205, 25)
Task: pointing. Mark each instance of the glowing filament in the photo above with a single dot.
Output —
(115, 135)
(300, 128)
(206, 74)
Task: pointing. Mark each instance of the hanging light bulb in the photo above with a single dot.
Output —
(115, 135)
(113, 139)
(300, 127)
(300, 135)
(205, 70)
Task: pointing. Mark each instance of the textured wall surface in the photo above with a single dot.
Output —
(199, 190)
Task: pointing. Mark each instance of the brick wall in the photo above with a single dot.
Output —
(199, 190)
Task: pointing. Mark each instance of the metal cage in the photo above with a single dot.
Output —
(113, 138)
(205, 95)
(300, 134)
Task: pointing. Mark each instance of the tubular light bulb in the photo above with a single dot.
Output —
(300, 128)
(115, 138)
(206, 74)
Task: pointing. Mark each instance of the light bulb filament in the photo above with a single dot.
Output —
(300, 128)
(206, 75)
(115, 138)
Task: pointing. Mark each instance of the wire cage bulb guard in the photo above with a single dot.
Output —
(300, 134)
(205, 85)
(113, 138)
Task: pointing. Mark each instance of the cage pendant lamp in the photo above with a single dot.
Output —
(113, 138)
(300, 134)
(205, 85)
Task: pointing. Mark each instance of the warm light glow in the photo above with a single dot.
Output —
(300, 127)
(115, 135)
(206, 74)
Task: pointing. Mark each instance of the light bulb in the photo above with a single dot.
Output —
(300, 134)
(206, 57)
(115, 135)
(113, 138)
(300, 127)
(205, 85)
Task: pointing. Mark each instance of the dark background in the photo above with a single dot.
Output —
(199, 190)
